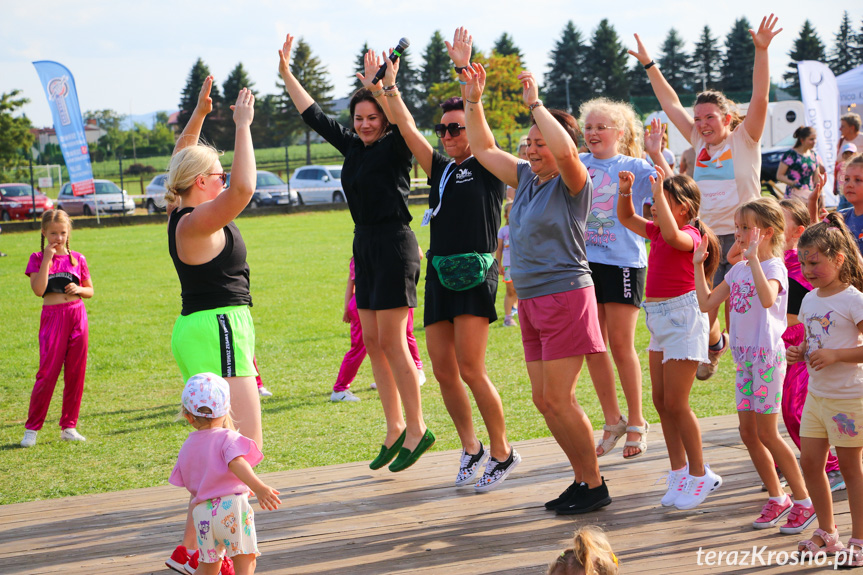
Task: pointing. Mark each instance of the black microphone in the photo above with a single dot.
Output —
(400, 49)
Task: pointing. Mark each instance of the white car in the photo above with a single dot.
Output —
(109, 199)
(318, 184)
(154, 199)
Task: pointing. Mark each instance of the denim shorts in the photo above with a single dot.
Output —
(678, 328)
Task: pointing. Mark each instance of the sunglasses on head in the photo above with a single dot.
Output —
(453, 129)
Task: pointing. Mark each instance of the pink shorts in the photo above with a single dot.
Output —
(560, 325)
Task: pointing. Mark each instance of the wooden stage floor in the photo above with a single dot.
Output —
(348, 519)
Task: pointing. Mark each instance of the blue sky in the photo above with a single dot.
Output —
(134, 57)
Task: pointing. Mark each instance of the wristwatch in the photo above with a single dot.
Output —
(459, 69)
(535, 105)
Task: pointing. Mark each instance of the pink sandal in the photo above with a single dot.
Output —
(831, 546)
(851, 556)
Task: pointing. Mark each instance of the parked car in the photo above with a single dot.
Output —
(317, 184)
(771, 156)
(270, 190)
(109, 198)
(16, 202)
(154, 194)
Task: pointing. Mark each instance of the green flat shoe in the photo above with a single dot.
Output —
(407, 457)
(387, 453)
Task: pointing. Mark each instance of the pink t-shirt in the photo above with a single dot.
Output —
(756, 331)
(60, 264)
(670, 272)
(202, 465)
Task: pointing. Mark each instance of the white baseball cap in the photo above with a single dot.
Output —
(848, 147)
(207, 390)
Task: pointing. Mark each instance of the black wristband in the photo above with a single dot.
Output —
(459, 69)
(650, 64)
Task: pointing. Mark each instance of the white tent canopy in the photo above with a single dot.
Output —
(851, 91)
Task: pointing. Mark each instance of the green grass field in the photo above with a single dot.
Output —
(299, 264)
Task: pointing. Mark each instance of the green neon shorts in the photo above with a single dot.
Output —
(220, 341)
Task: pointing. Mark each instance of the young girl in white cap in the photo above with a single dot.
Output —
(215, 465)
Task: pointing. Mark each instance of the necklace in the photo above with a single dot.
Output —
(541, 180)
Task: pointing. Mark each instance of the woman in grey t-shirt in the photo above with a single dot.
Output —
(557, 310)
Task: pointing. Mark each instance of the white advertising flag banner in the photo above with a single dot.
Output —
(820, 95)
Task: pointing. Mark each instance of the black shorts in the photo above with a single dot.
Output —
(614, 284)
(442, 304)
(387, 266)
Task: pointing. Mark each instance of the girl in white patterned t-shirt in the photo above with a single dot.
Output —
(832, 314)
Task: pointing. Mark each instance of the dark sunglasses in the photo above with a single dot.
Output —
(453, 129)
(222, 176)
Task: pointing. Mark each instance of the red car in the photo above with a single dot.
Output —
(16, 202)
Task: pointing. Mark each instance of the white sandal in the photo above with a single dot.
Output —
(617, 431)
(641, 443)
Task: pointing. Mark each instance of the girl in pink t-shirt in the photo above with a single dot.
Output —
(758, 290)
(61, 278)
(678, 329)
(215, 465)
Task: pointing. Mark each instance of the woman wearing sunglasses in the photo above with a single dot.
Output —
(557, 304)
(214, 332)
(376, 180)
(461, 275)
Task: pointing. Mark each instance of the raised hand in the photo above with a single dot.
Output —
(285, 56)
(475, 75)
(656, 182)
(699, 256)
(461, 47)
(205, 102)
(653, 137)
(391, 71)
(641, 54)
(371, 64)
(626, 180)
(244, 109)
(765, 33)
(755, 237)
(531, 88)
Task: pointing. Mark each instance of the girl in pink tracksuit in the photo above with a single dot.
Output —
(61, 277)
(355, 356)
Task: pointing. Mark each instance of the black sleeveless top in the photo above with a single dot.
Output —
(222, 281)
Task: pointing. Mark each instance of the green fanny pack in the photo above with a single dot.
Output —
(460, 272)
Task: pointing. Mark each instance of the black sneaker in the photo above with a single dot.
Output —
(563, 497)
(496, 471)
(586, 500)
(469, 465)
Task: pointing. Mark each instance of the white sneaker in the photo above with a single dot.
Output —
(345, 395)
(674, 481)
(264, 392)
(696, 489)
(29, 438)
(71, 434)
(422, 377)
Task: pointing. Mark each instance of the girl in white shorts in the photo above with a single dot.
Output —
(678, 329)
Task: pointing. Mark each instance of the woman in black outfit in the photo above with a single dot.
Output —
(376, 180)
(465, 200)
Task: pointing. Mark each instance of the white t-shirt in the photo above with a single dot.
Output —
(756, 331)
(831, 323)
(728, 178)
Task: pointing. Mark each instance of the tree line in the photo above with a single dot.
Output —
(580, 67)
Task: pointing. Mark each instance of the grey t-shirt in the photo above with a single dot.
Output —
(546, 227)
